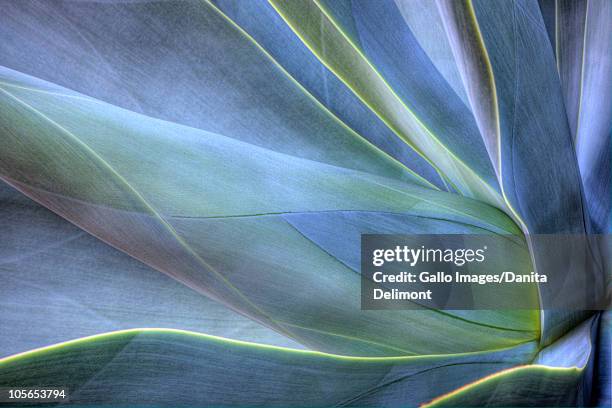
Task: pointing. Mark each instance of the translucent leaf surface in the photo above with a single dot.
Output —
(337, 50)
(68, 284)
(160, 209)
(263, 25)
(537, 169)
(182, 368)
(167, 66)
(560, 376)
(581, 34)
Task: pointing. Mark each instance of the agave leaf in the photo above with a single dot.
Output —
(389, 44)
(425, 22)
(473, 65)
(581, 34)
(523, 386)
(262, 24)
(524, 105)
(569, 27)
(338, 50)
(163, 61)
(136, 183)
(245, 205)
(575, 349)
(69, 284)
(182, 368)
(560, 376)
(322, 228)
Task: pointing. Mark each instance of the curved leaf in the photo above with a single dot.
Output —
(263, 25)
(168, 67)
(560, 377)
(583, 49)
(322, 229)
(136, 183)
(170, 367)
(546, 193)
(475, 70)
(389, 45)
(323, 35)
(543, 194)
(68, 284)
(425, 22)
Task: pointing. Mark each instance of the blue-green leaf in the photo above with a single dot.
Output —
(559, 377)
(208, 210)
(168, 367)
(523, 105)
(581, 34)
(68, 284)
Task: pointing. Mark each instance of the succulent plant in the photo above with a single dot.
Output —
(187, 182)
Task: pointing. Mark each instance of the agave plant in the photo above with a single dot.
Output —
(220, 160)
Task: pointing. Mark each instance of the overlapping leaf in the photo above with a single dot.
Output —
(326, 37)
(523, 105)
(560, 376)
(165, 209)
(581, 36)
(229, 145)
(165, 367)
(261, 23)
(68, 284)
